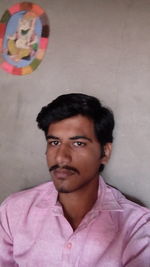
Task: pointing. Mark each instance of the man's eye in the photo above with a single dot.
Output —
(53, 143)
(78, 143)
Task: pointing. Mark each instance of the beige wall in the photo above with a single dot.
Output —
(96, 47)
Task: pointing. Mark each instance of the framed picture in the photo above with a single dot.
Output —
(24, 33)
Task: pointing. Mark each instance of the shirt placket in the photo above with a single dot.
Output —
(67, 252)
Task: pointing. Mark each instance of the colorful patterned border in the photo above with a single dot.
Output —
(43, 42)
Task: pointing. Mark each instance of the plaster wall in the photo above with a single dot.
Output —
(96, 47)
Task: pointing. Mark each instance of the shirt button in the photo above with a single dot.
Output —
(69, 245)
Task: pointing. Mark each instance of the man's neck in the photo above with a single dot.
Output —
(78, 203)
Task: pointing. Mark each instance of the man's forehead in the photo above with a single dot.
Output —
(73, 127)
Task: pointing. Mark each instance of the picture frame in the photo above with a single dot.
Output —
(24, 34)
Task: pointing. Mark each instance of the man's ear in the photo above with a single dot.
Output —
(106, 153)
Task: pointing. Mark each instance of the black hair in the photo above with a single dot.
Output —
(69, 105)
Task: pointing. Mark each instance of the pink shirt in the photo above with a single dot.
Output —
(34, 232)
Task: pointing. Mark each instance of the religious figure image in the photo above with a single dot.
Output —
(23, 44)
(24, 33)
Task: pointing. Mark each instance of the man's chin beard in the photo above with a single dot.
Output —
(64, 191)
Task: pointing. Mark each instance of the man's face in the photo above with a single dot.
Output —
(73, 154)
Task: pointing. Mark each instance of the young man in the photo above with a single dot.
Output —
(76, 220)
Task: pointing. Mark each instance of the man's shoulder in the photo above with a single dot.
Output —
(127, 202)
(129, 210)
(29, 196)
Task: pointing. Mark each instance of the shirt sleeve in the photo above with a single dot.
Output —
(6, 242)
(137, 250)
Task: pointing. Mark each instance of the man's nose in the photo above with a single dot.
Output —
(63, 155)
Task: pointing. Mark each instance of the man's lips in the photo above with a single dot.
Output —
(62, 172)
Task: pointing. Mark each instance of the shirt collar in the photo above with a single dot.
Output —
(107, 199)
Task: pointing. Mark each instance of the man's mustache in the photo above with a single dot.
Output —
(55, 167)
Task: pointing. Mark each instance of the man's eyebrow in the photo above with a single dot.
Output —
(52, 137)
(76, 137)
(80, 137)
